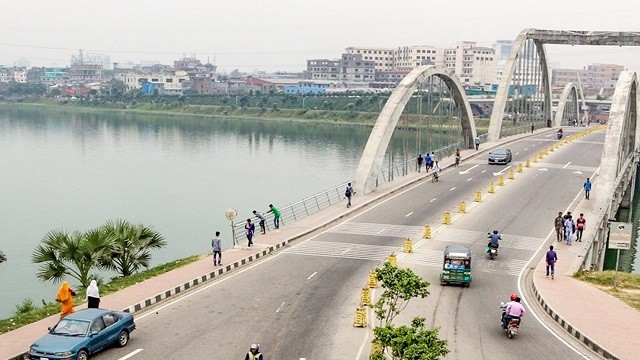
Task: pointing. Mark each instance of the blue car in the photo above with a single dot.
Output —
(83, 333)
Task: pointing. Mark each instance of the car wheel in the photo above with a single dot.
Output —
(123, 338)
(82, 355)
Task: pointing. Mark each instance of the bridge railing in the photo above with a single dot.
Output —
(294, 211)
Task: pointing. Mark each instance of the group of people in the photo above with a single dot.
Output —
(566, 226)
(430, 163)
(66, 293)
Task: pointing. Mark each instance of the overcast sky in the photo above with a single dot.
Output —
(281, 35)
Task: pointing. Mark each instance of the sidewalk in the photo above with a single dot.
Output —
(147, 293)
(600, 321)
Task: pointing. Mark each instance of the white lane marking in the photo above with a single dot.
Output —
(525, 149)
(483, 171)
(501, 171)
(344, 252)
(469, 179)
(432, 200)
(381, 231)
(469, 169)
(567, 164)
(543, 169)
(130, 354)
(409, 214)
(453, 188)
(281, 305)
(517, 153)
(312, 275)
(577, 172)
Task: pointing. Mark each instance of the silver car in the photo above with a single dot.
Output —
(500, 156)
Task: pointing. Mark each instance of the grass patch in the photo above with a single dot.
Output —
(628, 289)
(27, 313)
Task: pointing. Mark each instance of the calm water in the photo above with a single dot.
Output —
(75, 171)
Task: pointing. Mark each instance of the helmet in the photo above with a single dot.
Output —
(514, 297)
(495, 231)
(254, 346)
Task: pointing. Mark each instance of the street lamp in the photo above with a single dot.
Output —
(231, 214)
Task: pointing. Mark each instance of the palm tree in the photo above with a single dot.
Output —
(131, 246)
(75, 255)
(3, 257)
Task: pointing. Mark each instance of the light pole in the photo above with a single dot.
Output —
(303, 99)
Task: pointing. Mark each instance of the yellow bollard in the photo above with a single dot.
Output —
(519, 168)
(535, 158)
(365, 296)
(393, 260)
(551, 148)
(446, 219)
(427, 232)
(408, 245)
(478, 196)
(462, 207)
(528, 163)
(491, 188)
(501, 180)
(361, 318)
(373, 280)
(510, 176)
(376, 348)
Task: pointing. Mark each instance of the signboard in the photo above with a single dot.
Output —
(620, 235)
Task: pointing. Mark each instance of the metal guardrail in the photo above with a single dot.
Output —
(295, 211)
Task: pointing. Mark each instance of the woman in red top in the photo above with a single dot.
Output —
(580, 223)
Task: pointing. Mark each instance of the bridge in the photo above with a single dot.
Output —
(296, 292)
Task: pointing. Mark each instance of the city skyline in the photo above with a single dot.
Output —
(281, 35)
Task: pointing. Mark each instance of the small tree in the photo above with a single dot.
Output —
(3, 257)
(76, 254)
(415, 342)
(131, 247)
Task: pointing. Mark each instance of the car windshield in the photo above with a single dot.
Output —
(71, 327)
(499, 152)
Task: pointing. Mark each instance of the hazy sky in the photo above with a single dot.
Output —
(281, 35)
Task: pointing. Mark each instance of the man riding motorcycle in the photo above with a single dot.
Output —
(512, 298)
(494, 239)
(513, 309)
(559, 133)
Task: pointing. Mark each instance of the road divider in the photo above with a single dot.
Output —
(408, 245)
(427, 232)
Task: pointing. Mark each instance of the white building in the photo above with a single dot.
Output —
(382, 57)
(472, 64)
(409, 57)
(171, 82)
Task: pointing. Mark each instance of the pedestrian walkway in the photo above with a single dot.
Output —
(142, 295)
(603, 323)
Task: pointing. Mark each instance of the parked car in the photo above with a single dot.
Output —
(500, 156)
(83, 333)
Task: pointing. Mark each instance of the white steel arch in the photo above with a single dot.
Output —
(374, 151)
(502, 95)
(621, 138)
(570, 91)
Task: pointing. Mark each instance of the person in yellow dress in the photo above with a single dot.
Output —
(65, 297)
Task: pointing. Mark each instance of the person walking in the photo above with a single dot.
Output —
(568, 227)
(587, 188)
(93, 295)
(250, 229)
(558, 223)
(457, 159)
(276, 216)
(551, 259)
(349, 193)
(262, 219)
(216, 245)
(420, 160)
(532, 127)
(477, 142)
(65, 298)
(254, 353)
(580, 226)
(428, 162)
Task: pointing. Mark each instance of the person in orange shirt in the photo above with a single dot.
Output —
(65, 297)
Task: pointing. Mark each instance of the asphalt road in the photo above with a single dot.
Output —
(299, 303)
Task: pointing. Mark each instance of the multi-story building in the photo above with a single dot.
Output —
(322, 69)
(595, 78)
(171, 82)
(4, 75)
(354, 68)
(472, 64)
(20, 75)
(409, 57)
(382, 57)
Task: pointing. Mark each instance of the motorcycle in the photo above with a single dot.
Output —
(559, 135)
(492, 249)
(512, 326)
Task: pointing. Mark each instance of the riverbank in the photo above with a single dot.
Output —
(337, 117)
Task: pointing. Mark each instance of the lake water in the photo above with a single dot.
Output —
(74, 171)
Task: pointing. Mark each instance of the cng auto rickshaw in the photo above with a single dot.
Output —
(456, 268)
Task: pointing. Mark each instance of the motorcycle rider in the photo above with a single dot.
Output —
(513, 310)
(512, 298)
(254, 353)
(494, 239)
(560, 133)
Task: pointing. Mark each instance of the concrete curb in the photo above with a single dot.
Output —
(570, 328)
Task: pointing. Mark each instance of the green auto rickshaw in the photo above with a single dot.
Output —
(456, 268)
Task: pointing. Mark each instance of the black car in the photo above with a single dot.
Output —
(500, 156)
